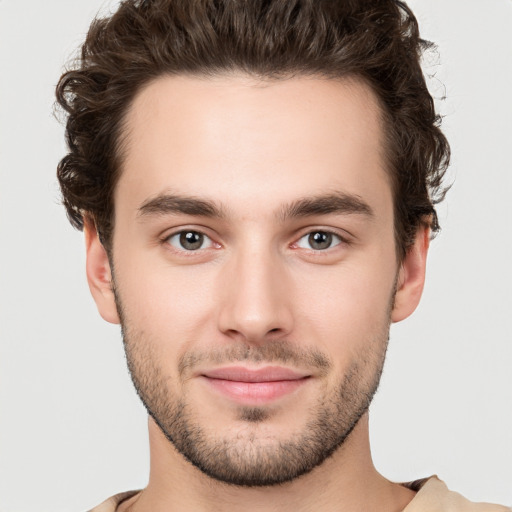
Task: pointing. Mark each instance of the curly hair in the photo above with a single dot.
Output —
(377, 41)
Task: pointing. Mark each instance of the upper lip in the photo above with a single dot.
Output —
(264, 374)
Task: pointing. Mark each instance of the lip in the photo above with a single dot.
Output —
(254, 386)
(265, 374)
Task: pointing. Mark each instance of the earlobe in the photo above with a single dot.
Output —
(99, 274)
(411, 277)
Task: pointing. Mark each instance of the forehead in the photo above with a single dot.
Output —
(235, 138)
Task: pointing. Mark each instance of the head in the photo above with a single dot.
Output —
(257, 181)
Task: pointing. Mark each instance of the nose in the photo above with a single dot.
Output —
(256, 297)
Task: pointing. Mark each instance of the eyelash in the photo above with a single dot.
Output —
(181, 233)
(332, 236)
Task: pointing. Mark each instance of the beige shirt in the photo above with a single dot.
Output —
(432, 496)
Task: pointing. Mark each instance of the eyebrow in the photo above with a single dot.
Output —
(175, 204)
(333, 203)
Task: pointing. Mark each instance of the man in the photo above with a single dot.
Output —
(256, 181)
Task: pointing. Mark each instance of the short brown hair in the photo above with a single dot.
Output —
(374, 40)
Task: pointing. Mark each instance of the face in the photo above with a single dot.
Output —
(254, 268)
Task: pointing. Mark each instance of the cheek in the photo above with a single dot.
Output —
(168, 305)
(350, 309)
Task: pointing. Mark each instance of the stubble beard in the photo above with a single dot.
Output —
(247, 458)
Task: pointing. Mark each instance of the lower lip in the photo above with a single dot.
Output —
(255, 392)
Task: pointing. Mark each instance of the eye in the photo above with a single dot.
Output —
(189, 241)
(319, 240)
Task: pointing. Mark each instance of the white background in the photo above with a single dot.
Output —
(71, 429)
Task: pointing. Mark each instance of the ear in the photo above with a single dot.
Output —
(99, 275)
(411, 276)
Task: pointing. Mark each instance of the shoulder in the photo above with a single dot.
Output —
(112, 503)
(434, 496)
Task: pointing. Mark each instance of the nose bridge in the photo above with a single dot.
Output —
(255, 299)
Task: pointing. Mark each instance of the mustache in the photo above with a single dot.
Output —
(272, 351)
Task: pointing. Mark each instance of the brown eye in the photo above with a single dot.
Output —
(189, 241)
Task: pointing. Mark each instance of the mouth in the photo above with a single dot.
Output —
(254, 386)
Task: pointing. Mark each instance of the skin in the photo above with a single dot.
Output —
(253, 149)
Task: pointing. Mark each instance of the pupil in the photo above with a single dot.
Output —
(191, 240)
(320, 240)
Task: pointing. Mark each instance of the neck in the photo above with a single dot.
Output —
(347, 481)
